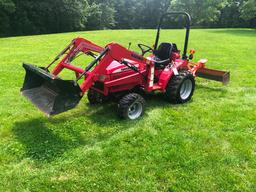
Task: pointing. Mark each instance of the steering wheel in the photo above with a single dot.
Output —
(145, 49)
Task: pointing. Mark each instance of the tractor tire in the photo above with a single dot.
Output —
(131, 106)
(180, 88)
(95, 97)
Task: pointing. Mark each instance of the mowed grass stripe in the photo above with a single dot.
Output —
(208, 144)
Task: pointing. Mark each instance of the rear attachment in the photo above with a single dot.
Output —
(50, 94)
(215, 75)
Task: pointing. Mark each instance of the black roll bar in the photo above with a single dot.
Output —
(188, 21)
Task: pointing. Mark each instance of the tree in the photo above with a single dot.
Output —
(248, 10)
(6, 7)
(101, 14)
(35, 16)
(19, 17)
(230, 15)
(204, 13)
(139, 13)
(126, 12)
(152, 11)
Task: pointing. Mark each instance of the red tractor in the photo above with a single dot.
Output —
(117, 72)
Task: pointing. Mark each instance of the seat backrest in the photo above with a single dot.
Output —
(164, 51)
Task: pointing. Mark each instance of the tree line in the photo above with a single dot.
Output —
(22, 17)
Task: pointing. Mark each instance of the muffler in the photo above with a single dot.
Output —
(48, 93)
(215, 75)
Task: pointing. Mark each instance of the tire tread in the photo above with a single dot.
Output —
(173, 87)
(126, 101)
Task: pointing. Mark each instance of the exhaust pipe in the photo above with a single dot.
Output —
(48, 93)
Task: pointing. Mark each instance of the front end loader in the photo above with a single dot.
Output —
(119, 73)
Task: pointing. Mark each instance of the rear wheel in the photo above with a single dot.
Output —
(95, 97)
(131, 106)
(180, 88)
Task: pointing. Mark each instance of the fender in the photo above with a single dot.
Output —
(169, 71)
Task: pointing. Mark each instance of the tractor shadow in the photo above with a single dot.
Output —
(47, 139)
(42, 143)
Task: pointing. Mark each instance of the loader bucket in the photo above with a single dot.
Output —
(215, 75)
(50, 94)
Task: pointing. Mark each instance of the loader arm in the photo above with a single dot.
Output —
(54, 95)
(77, 45)
(47, 91)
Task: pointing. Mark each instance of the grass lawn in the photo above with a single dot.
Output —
(208, 144)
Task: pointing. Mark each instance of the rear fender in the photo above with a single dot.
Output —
(168, 72)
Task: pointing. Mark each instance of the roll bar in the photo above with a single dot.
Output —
(188, 21)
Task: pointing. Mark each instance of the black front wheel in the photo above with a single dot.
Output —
(131, 106)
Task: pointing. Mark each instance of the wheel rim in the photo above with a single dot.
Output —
(135, 110)
(186, 89)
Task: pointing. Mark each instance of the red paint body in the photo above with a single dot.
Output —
(111, 76)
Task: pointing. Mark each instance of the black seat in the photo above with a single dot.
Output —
(164, 51)
(163, 54)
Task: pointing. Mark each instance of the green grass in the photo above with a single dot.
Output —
(208, 144)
